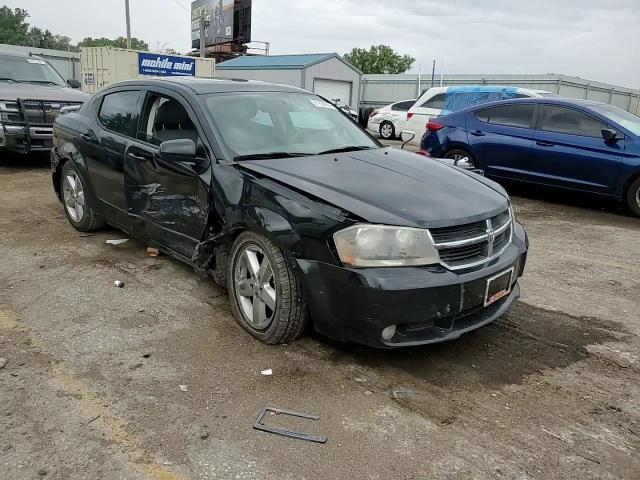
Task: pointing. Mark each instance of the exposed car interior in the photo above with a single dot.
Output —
(168, 120)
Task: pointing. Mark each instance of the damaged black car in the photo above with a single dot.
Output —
(298, 212)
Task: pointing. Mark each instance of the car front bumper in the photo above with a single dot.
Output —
(427, 304)
(22, 139)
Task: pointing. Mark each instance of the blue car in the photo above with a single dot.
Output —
(566, 143)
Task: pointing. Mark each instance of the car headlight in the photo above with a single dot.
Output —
(385, 246)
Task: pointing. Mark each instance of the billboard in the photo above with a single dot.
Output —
(165, 65)
(219, 17)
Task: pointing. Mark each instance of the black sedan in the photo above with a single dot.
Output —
(297, 211)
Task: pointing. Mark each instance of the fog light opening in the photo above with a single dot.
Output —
(388, 333)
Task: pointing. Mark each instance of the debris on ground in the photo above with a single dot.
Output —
(368, 392)
(119, 283)
(153, 252)
(267, 372)
(403, 394)
(204, 435)
(42, 472)
(259, 425)
(360, 380)
(183, 387)
(3, 362)
(117, 242)
(146, 355)
(93, 419)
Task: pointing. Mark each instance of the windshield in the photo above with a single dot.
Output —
(290, 124)
(25, 69)
(625, 119)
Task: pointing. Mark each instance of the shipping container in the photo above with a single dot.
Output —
(101, 66)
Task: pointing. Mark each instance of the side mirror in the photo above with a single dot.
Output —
(73, 83)
(406, 136)
(610, 135)
(180, 149)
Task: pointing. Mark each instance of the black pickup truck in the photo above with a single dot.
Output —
(32, 95)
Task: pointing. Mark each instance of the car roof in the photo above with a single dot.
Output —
(11, 53)
(201, 86)
(546, 100)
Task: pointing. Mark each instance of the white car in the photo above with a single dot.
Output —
(389, 121)
(432, 103)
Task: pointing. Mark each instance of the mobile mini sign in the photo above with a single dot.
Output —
(166, 65)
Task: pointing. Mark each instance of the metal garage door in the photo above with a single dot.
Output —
(333, 89)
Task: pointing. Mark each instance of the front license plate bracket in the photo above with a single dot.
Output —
(498, 286)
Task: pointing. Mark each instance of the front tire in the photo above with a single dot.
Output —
(265, 291)
(633, 197)
(387, 131)
(78, 205)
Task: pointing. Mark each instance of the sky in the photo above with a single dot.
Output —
(591, 39)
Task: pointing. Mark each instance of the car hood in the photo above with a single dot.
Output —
(389, 186)
(31, 91)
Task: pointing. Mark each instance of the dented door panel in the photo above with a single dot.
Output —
(168, 202)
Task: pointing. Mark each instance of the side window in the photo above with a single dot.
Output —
(119, 112)
(508, 115)
(164, 118)
(436, 102)
(570, 121)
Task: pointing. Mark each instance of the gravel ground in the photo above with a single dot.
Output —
(91, 387)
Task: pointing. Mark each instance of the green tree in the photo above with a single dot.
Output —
(15, 30)
(379, 59)
(13, 27)
(120, 42)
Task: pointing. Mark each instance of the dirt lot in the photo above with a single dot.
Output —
(91, 386)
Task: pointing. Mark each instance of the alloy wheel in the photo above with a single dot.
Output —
(386, 131)
(73, 195)
(255, 287)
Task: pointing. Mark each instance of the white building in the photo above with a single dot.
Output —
(326, 74)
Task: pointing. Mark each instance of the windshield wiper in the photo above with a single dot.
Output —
(40, 81)
(270, 155)
(7, 79)
(353, 148)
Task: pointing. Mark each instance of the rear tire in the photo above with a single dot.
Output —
(633, 197)
(387, 131)
(78, 203)
(258, 271)
(459, 154)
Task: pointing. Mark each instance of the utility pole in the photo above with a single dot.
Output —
(126, 6)
(203, 29)
(433, 74)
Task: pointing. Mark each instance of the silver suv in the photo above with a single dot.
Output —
(32, 95)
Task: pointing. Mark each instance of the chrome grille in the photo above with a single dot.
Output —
(472, 244)
(43, 112)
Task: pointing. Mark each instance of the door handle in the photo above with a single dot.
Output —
(542, 143)
(477, 133)
(140, 158)
(89, 137)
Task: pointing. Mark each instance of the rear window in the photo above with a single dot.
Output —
(437, 102)
(508, 115)
(403, 106)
